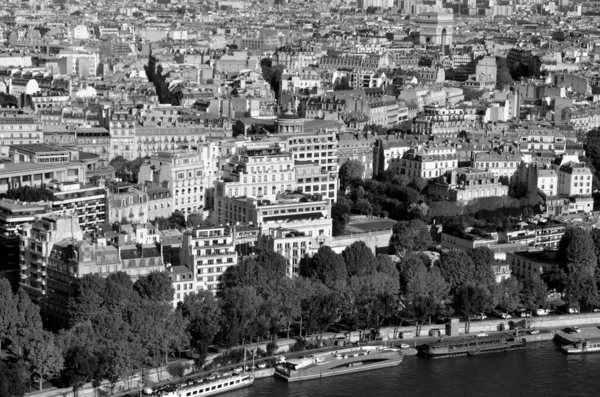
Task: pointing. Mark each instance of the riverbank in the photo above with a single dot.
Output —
(390, 335)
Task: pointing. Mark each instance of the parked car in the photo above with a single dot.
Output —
(238, 369)
(572, 330)
(525, 314)
(481, 335)
(479, 316)
(261, 365)
(542, 312)
(505, 316)
(534, 331)
(404, 346)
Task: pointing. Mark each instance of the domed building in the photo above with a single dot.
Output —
(289, 122)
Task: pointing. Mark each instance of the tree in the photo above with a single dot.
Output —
(509, 294)
(80, 367)
(470, 300)
(319, 305)
(576, 251)
(42, 357)
(418, 184)
(534, 293)
(364, 207)
(409, 236)
(259, 271)
(581, 290)
(370, 295)
(482, 258)
(202, 311)
(341, 84)
(13, 379)
(349, 171)
(423, 290)
(87, 298)
(240, 321)
(457, 268)
(8, 310)
(156, 286)
(422, 308)
(29, 194)
(326, 266)
(359, 259)
(28, 322)
(159, 80)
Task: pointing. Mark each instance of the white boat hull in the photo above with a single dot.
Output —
(341, 371)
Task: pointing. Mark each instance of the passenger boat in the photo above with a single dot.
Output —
(582, 347)
(471, 346)
(202, 387)
(339, 362)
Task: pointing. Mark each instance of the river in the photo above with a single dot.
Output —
(538, 370)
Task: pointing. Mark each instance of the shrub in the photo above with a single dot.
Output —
(177, 369)
(300, 345)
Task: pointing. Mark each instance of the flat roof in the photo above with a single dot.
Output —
(40, 147)
(369, 225)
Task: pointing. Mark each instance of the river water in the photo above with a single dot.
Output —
(538, 370)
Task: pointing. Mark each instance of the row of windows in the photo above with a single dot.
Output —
(185, 286)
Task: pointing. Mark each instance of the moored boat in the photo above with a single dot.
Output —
(582, 347)
(339, 362)
(201, 388)
(471, 346)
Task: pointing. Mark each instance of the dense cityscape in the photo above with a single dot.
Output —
(188, 186)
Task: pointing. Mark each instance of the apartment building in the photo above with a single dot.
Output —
(121, 125)
(18, 130)
(293, 245)
(358, 146)
(40, 164)
(500, 164)
(441, 122)
(209, 251)
(189, 175)
(261, 173)
(50, 262)
(531, 264)
(308, 214)
(319, 148)
(182, 279)
(86, 203)
(427, 163)
(469, 184)
(128, 202)
(575, 180)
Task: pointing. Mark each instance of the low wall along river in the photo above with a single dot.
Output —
(388, 333)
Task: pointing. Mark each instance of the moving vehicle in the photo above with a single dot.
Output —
(481, 335)
(404, 346)
(340, 362)
(202, 388)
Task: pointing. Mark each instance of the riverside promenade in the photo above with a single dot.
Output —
(547, 324)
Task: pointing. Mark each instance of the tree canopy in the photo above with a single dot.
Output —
(350, 171)
(409, 236)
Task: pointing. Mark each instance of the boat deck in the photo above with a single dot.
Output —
(324, 358)
(586, 334)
